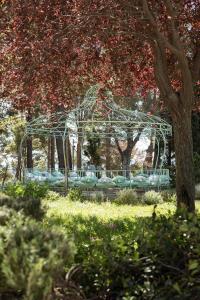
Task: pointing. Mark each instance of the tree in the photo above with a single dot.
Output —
(92, 150)
(167, 33)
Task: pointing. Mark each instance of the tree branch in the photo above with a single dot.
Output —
(159, 35)
(118, 146)
(176, 49)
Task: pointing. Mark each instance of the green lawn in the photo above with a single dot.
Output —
(110, 238)
(105, 211)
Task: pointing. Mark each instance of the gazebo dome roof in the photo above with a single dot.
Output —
(105, 117)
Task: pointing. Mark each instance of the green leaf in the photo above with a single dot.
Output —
(177, 287)
(193, 264)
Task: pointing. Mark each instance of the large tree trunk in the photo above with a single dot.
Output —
(184, 157)
(126, 159)
(19, 166)
(29, 153)
(52, 146)
(59, 146)
(126, 154)
(79, 150)
(79, 156)
(148, 162)
(29, 147)
(108, 156)
(51, 154)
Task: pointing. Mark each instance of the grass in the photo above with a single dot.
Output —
(105, 211)
(104, 234)
(86, 221)
(89, 222)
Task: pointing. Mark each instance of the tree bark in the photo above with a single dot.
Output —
(185, 189)
(148, 162)
(29, 147)
(59, 147)
(108, 156)
(126, 159)
(79, 150)
(126, 154)
(51, 154)
(19, 166)
(29, 153)
(52, 147)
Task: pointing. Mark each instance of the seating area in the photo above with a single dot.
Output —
(87, 180)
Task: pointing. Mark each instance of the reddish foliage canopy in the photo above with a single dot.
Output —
(52, 51)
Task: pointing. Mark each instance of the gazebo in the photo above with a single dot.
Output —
(106, 119)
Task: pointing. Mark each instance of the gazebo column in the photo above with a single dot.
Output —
(79, 149)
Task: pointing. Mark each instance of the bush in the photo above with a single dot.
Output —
(75, 195)
(155, 258)
(169, 196)
(6, 214)
(97, 196)
(31, 207)
(52, 196)
(32, 259)
(152, 197)
(26, 198)
(3, 198)
(127, 196)
(31, 189)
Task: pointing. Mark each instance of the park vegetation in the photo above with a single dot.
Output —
(140, 244)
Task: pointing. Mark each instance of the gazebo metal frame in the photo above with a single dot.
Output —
(106, 117)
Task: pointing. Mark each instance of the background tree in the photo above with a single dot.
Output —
(92, 150)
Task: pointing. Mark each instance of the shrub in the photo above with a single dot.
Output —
(32, 259)
(152, 197)
(5, 214)
(75, 195)
(3, 198)
(97, 196)
(168, 196)
(31, 189)
(127, 196)
(26, 198)
(30, 206)
(157, 259)
(52, 196)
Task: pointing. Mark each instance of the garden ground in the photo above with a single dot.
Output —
(123, 251)
(105, 211)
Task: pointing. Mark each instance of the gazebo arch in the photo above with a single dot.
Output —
(107, 119)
